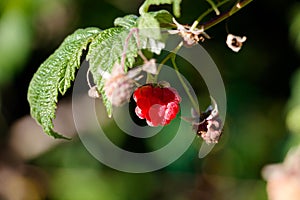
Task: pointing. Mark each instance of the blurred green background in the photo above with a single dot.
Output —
(262, 84)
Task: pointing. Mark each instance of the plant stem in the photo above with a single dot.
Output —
(174, 51)
(193, 101)
(197, 21)
(225, 15)
(214, 6)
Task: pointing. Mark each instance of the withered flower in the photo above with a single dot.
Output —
(208, 124)
(150, 66)
(235, 43)
(93, 92)
(190, 36)
(118, 85)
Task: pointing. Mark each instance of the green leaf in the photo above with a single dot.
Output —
(55, 75)
(149, 26)
(129, 21)
(176, 6)
(164, 18)
(149, 23)
(105, 51)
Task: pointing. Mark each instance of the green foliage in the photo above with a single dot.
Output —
(105, 49)
(55, 75)
(127, 22)
(163, 17)
(99, 60)
(176, 6)
(120, 44)
(148, 26)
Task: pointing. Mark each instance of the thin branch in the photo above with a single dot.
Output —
(174, 51)
(203, 15)
(214, 6)
(226, 15)
(88, 78)
(193, 101)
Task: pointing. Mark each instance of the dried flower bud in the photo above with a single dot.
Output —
(235, 43)
(190, 37)
(118, 86)
(208, 124)
(150, 66)
(212, 131)
(93, 92)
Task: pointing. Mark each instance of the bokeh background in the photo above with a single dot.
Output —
(263, 90)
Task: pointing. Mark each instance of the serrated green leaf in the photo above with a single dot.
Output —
(163, 17)
(176, 6)
(105, 51)
(149, 26)
(55, 75)
(149, 23)
(129, 21)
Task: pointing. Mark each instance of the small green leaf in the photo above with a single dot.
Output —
(55, 75)
(128, 22)
(176, 6)
(164, 18)
(149, 26)
(152, 39)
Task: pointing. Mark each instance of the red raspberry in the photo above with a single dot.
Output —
(158, 105)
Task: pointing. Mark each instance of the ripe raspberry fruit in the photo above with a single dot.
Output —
(157, 104)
